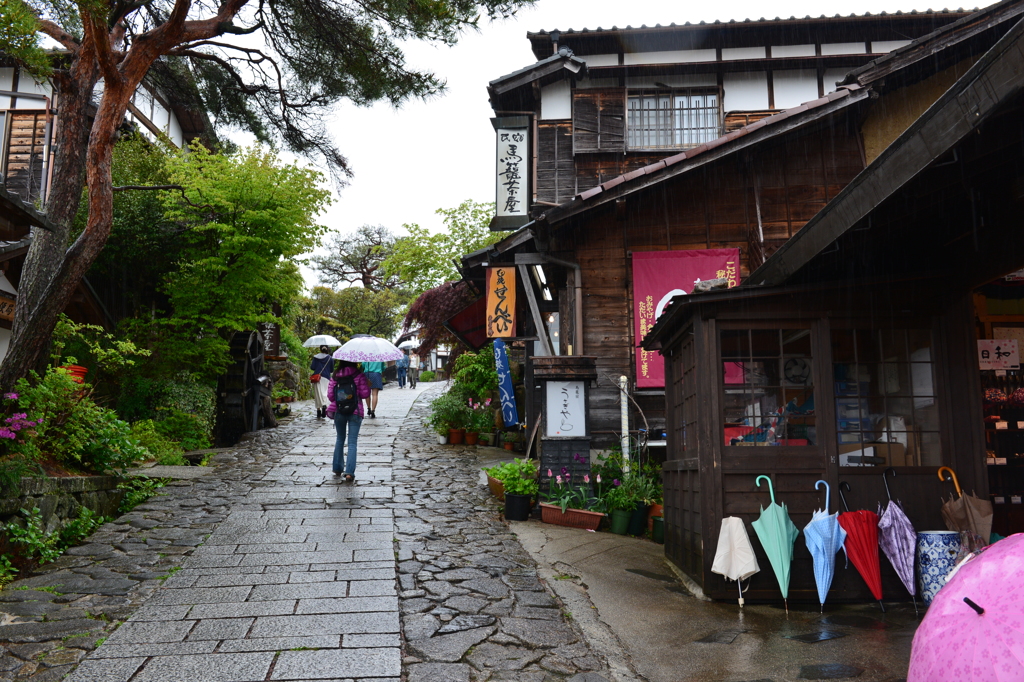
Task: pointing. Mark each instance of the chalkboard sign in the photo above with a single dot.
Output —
(566, 410)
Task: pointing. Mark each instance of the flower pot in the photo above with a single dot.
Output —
(518, 507)
(486, 439)
(652, 511)
(471, 437)
(658, 529)
(508, 445)
(456, 436)
(620, 521)
(497, 487)
(573, 518)
(442, 439)
(638, 520)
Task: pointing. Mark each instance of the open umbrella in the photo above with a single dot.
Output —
(318, 340)
(410, 344)
(824, 538)
(898, 540)
(777, 534)
(966, 512)
(734, 557)
(368, 349)
(861, 546)
(974, 629)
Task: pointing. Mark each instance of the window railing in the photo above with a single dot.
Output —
(673, 119)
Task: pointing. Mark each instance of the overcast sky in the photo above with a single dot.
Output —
(411, 161)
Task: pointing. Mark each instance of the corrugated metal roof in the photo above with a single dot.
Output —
(734, 22)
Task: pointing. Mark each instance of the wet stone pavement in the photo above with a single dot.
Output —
(270, 568)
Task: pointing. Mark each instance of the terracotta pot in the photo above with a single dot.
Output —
(573, 518)
(508, 445)
(456, 436)
(472, 437)
(497, 488)
(77, 373)
(652, 511)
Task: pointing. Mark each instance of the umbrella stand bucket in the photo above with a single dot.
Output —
(936, 556)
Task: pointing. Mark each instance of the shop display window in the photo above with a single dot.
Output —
(886, 411)
(768, 387)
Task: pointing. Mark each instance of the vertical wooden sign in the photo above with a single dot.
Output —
(501, 302)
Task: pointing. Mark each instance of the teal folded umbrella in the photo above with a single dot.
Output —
(777, 534)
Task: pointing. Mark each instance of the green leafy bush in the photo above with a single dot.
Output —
(449, 411)
(428, 376)
(79, 527)
(74, 430)
(474, 375)
(137, 490)
(145, 398)
(187, 429)
(519, 477)
(7, 571)
(33, 536)
(164, 450)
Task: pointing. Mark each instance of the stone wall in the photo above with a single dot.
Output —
(59, 499)
(286, 373)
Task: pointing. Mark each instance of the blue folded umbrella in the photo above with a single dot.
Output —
(824, 537)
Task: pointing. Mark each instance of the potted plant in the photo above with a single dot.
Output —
(520, 486)
(620, 503)
(481, 420)
(569, 504)
(518, 468)
(509, 439)
(282, 394)
(448, 417)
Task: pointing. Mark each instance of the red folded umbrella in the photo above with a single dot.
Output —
(861, 528)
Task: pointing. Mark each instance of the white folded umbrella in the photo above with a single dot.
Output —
(734, 557)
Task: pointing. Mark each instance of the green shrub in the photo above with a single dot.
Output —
(474, 375)
(449, 411)
(137, 490)
(428, 376)
(519, 477)
(7, 571)
(164, 450)
(145, 398)
(47, 546)
(187, 429)
(79, 527)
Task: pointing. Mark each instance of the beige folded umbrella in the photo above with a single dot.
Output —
(966, 512)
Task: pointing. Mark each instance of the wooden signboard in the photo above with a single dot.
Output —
(6, 309)
(501, 302)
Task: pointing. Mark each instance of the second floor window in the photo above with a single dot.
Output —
(672, 119)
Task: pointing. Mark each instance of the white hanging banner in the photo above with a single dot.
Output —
(512, 172)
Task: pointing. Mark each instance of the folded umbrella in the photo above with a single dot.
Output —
(777, 534)
(861, 546)
(368, 349)
(966, 512)
(824, 537)
(734, 557)
(898, 540)
(974, 629)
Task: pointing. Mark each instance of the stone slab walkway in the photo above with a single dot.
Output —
(272, 569)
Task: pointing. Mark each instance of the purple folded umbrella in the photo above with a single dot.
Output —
(898, 540)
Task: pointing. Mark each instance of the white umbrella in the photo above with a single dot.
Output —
(409, 344)
(368, 349)
(734, 557)
(318, 340)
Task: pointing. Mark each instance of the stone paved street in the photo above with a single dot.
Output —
(288, 574)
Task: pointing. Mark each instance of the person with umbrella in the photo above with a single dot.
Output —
(372, 352)
(374, 372)
(321, 367)
(348, 389)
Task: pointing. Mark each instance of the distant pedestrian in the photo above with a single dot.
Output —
(402, 368)
(374, 372)
(414, 369)
(348, 389)
(321, 367)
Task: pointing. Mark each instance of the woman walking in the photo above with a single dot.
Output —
(375, 376)
(348, 389)
(321, 367)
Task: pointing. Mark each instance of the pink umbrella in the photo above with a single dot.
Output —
(974, 629)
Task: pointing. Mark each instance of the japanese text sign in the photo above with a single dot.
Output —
(566, 410)
(501, 302)
(512, 172)
(998, 354)
(6, 308)
(658, 276)
(509, 413)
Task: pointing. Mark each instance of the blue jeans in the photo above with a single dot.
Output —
(401, 376)
(341, 422)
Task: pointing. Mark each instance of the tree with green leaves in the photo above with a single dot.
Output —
(354, 310)
(424, 261)
(357, 258)
(275, 68)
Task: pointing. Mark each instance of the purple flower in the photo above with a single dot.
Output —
(576, 457)
(564, 471)
(615, 482)
(11, 396)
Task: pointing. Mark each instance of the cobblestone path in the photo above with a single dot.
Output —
(288, 574)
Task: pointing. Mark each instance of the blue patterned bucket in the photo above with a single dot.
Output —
(936, 556)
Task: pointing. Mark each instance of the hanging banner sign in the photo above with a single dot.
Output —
(658, 276)
(509, 413)
(501, 302)
(512, 172)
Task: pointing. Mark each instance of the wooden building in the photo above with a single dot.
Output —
(854, 346)
(618, 171)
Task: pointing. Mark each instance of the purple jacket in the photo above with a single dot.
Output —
(362, 390)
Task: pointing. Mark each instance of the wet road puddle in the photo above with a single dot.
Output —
(814, 637)
(828, 671)
(721, 637)
(848, 620)
(653, 576)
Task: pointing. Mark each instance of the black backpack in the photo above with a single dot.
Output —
(345, 400)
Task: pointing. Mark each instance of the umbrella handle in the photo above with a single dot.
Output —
(952, 477)
(828, 492)
(842, 496)
(770, 489)
(886, 481)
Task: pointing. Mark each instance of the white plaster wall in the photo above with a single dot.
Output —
(729, 53)
(695, 80)
(671, 57)
(6, 81)
(794, 87)
(880, 46)
(792, 51)
(555, 101)
(174, 132)
(832, 76)
(144, 101)
(601, 59)
(843, 48)
(745, 91)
